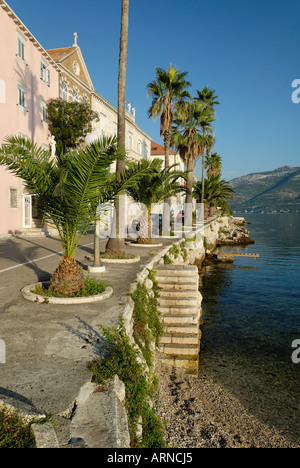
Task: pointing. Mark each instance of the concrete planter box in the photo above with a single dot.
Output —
(30, 296)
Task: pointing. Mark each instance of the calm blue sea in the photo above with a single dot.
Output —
(251, 315)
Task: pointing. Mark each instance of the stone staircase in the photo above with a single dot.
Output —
(180, 307)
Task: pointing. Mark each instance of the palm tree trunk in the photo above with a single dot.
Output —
(68, 278)
(166, 208)
(203, 175)
(117, 244)
(189, 195)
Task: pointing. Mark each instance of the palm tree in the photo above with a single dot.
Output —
(187, 136)
(69, 190)
(207, 98)
(213, 164)
(167, 90)
(152, 188)
(117, 243)
(217, 190)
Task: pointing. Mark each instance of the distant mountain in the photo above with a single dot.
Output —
(277, 190)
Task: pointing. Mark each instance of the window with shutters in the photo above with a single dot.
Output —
(13, 198)
(22, 97)
(45, 73)
(21, 47)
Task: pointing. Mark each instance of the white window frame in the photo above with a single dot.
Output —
(15, 196)
(75, 95)
(21, 47)
(22, 98)
(139, 147)
(102, 124)
(45, 72)
(64, 91)
(130, 141)
(44, 113)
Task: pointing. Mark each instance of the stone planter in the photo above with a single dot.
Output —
(33, 297)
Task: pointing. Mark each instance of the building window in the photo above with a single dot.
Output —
(13, 198)
(102, 125)
(75, 96)
(22, 97)
(64, 91)
(44, 113)
(130, 141)
(139, 147)
(84, 100)
(45, 73)
(20, 47)
(76, 68)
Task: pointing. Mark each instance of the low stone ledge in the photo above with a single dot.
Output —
(44, 435)
(100, 419)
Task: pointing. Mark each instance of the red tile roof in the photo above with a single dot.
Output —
(58, 54)
(158, 150)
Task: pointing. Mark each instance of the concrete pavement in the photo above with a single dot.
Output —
(48, 347)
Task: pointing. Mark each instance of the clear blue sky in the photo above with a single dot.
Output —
(246, 50)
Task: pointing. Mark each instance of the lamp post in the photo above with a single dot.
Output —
(97, 267)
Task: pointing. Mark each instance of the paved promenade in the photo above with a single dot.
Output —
(48, 347)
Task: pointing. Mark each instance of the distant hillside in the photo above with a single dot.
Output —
(268, 191)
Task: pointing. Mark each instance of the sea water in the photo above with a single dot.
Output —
(251, 319)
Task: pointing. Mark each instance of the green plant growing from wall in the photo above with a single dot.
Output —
(123, 359)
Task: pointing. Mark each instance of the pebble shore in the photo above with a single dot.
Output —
(199, 413)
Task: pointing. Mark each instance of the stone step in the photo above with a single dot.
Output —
(192, 286)
(178, 310)
(171, 320)
(176, 270)
(182, 329)
(170, 279)
(179, 349)
(177, 302)
(180, 338)
(178, 294)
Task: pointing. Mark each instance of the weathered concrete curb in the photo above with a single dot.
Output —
(100, 419)
(33, 297)
(135, 259)
(44, 435)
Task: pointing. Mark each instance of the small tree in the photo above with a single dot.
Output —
(69, 122)
(152, 188)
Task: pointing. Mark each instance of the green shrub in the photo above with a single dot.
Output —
(14, 432)
(91, 287)
(123, 359)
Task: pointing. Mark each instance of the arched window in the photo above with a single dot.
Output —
(75, 96)
(64, 91)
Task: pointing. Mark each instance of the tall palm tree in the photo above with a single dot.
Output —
(152, 188)
(213, 164)
(208, 98)
(167, 90)
(117, 244)
(187, 136)
(69, 190)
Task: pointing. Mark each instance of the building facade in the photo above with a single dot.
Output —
(28, 79)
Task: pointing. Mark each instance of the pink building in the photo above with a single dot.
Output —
(28, 79)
